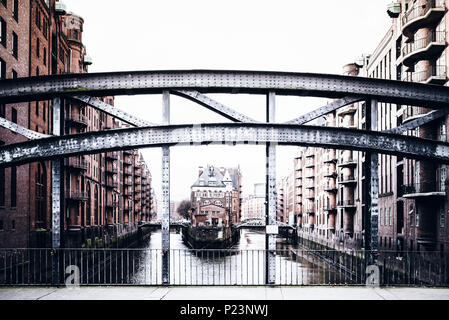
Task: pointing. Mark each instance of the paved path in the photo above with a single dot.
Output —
(223, 293)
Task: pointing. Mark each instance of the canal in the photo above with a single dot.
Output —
(243, 264)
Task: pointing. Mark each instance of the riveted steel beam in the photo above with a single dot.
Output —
(223, 133)
(432, 115)
(270, 197)
(210, 81)
(372, 189)
(213, 105)
(324, 110)
(111, 110)
(166, 195)
(30, 134)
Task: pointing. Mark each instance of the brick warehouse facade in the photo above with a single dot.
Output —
(106, 194)
(413, 201)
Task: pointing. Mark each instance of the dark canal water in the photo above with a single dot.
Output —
(243, 264)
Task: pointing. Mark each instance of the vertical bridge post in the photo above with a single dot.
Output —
(57, 185)
(372, 190)
(270, 198)
(165, 195)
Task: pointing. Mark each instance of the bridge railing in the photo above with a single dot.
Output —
(201, 267)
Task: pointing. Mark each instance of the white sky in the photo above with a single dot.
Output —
(283, 35)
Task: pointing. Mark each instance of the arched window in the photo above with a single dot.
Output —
(88, 206)
(41, 195)
(96, 204)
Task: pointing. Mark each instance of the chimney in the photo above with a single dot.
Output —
(200, 170)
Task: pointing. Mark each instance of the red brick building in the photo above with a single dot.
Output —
(216, 197)
(106, 194)
(413, 200)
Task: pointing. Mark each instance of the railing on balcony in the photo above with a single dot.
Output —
(346, 203)
(329, 207)
(112, 155)
(77, 195)
(420, 11)
(346, 179)
(433, 74)
(76, 163)
(424, 187)
(112, 184)
(111, 170)
(76, 118)
(346, 162)
(422, 43)
(329, 187)
(112, 203)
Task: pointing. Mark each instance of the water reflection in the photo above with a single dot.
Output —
(243, 264)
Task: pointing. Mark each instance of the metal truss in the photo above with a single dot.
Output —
(210, 81)
(113, 111)
(432, 115)
(30, 134)
(213, 105)
(229, 133)
(324, 110)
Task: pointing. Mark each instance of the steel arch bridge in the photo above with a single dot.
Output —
(193, 85)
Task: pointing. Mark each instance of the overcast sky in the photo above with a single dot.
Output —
(282, 35)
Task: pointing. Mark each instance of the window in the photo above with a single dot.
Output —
(3, 32)
(2, 183)
(2, 113)
(37, 109)
(37, 71)
(38, 18)
(442, 216)
(45, 111)
(417, 218)
(14, 74)
(38, 49)
(15, 45)
(13, 225)
(443, 132)
(2, 69)
(442, 177)
(15, 9)
(5, 3)
(45, 56)
(1, 225)
(389, 216)
(14, 115)
(13, 187)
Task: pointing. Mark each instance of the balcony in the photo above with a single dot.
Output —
(310, 173)
(422, 16)
(424, 48)
(75, 163)
(77, 195)
(127, 161)
(329, 208)
(330, 157)
(311, 194)
(111, 203)
(329, 173)
(127, 172)
(330, 187)
(433, 75)
(349, 179)
(310, 163)
(411, 113)
(111, 155)
(350, 109)
(310, 210)
(76, 119)
(348, 162)
(424, 190)
(112, 184)
(348, 204)
(111, 170)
